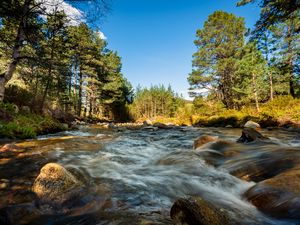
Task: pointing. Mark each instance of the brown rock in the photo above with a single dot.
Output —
(196, 211)
(147, 123)
(161, 126)
(261, 164)
(250, 135)
(204, 139)
(9, 147)
(278, 196)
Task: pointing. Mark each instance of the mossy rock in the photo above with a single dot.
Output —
(197, 211)
(56, 185)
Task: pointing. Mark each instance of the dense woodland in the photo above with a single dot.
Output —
(155, 101)
(58, 66)
(49, 62)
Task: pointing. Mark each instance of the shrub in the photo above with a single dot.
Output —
(14, 130)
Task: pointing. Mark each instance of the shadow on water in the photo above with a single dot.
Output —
(133, 177)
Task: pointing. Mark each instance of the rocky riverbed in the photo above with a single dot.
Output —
(152, 175)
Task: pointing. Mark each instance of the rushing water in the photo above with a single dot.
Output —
(134, 176)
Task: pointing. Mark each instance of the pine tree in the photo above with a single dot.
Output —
(219, 43)
(250, 82)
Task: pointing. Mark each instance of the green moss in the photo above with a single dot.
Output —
(28, 126)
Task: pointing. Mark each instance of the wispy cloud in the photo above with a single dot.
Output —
(101, 35)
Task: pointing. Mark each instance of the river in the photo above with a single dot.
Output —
(133, 176)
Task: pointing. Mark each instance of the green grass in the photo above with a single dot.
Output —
(23, 126)
(279, 112)
(282, 110)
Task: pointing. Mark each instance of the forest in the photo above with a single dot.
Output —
(85, 142)
(56, 67)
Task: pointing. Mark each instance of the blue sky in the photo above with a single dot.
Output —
(155, 37)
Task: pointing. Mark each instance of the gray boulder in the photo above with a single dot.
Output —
(251, 124)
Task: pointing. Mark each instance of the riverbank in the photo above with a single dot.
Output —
(21, 123)
(281, 112)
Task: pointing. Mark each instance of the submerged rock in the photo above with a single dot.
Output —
(56, 185)
(204, 139)
(250, 135)
(19, 214)
(196, 211)
(278, 196)
(263, 163)
(215, 151)
(150, 128)
(161, 126)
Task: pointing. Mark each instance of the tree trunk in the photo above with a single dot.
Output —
(255, 91)
(79, 94)
(290, 59)
(20, 38)
(271, 86)
(45, 93)
(75, 86)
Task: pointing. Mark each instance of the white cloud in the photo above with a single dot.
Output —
(101, 35)
(74, 15)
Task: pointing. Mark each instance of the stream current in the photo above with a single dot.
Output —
(134, 176)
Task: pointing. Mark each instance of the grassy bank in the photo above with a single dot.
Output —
(15, 123)
(282, 111)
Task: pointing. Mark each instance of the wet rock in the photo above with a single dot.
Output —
(261, 164)
(55, 185)
(9, 147)
(147, 123)
(250, 135)
(278, 196)
(217, 152)
(150, 128)
(251, 124)
(103, 136)
(196, 211)
(161, 126)
(228, 126)
(204, 139)
(10, 150)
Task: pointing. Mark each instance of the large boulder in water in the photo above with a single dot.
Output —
(250, 135)
(263, 162)
(196, 211)
(56, 185)
(278, 196)
(251, 124)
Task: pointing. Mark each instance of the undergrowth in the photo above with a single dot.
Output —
(14, 124)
